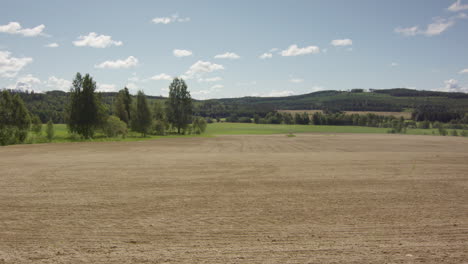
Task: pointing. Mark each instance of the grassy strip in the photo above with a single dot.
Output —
(62, 135)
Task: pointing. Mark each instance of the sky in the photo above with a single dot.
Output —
(235, 48)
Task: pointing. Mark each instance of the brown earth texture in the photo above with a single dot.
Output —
(313, 198)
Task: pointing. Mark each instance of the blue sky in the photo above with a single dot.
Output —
(236, 48)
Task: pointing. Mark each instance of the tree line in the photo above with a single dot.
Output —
(86, 112)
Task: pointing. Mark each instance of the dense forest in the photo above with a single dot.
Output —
(425, 105)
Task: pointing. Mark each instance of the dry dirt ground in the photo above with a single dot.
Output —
(313, 198)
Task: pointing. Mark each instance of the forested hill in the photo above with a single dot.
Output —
(52, 104)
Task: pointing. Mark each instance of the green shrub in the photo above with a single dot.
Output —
(159, 127)
(115, 127)
(454, 133)
(36, 125)
(199, 125)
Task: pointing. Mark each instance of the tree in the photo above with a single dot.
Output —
(14, 119)
(141, 121)
(122, 105)
(179, 105)
(85, 109)
(50, 130)
(36, 125)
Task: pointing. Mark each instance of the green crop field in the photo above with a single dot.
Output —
(214, 129)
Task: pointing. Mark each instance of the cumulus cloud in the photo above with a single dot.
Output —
(294, 50)
(182, 53)
(26, 83)
(457, 6)
(201, 67)
(96, 41)
(15, 28)
(10, 66)
(118, 64)
(227, 55)
(266, 55)
(104, 87)
(213, 79)
(464, 71)
(296, 80)
(58, 83)
(452, 85)
(52, 45)
(342, 42)
(171, 19)
(161, 76)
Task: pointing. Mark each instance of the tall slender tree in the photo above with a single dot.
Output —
(179, 105)
(141, 121)
(120, 108)
(85, 106)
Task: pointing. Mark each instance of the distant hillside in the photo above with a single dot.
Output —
(393, 100)
(52, 104)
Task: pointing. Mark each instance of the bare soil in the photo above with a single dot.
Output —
(313, 198)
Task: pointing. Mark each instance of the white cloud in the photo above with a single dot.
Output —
(182, 53)
(58, 83)
(296, 80)
(15, 28)
(161, 76)
(409, 31)
(394, 64)
(437, 27)
(201, 67)
(266, 56)
(132, 87)
(464, 71)
(96, 41)
(342, 42)
(453, 86)
(457, 6)
(202, 94)
(293, 50)
(10, 66)
(227, 55)
(171, 19)
(213, 79)
(274, 49)
(275, 93)
(26, 83)
(103, 87)
(52, 45)
(118, 64)
(217, 86)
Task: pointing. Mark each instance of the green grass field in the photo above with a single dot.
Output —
(62, 135)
